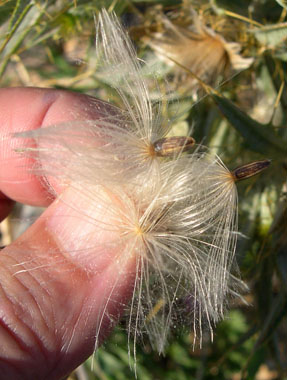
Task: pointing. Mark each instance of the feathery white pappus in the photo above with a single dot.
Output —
(176, 213)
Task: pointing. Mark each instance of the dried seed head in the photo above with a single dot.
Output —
(178, 217)
(196, 47)
(185, 248)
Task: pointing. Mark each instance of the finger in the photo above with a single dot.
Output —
(62, 282)
(23, 109)
(57, 295)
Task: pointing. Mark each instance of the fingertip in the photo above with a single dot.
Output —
(24, 109)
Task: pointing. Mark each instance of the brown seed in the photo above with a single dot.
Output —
(169, 146)
(249, 170)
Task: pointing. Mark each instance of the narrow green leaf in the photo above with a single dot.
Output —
(13, 27)
(259, 137)
(25, 23)
(278, 232)
(282, 55)
(17, 12)
(6, 11)
(271, 35)
(283, 3)
(277, 312)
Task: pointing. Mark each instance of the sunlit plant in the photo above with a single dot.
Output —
(174, 211)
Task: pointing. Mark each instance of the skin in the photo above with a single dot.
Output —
(51, 300)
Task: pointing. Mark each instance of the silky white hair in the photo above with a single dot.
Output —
(176, 215)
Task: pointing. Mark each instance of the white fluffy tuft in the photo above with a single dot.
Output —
(178, 216)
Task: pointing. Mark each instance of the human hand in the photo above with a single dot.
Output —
(51, 302)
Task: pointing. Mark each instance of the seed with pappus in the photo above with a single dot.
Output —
(175, 213)
(125, 143)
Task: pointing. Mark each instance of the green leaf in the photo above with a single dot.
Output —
(277, 312)
(281, 55)
(181, 356)
(18, 10)
(280, 242)
(271, 35)
(283, 3)
(6, 10)
(254, 363)
(259, 137)
(26, 20)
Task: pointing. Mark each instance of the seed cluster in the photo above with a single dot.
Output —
(172, 204)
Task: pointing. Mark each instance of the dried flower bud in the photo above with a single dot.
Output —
(196, 47)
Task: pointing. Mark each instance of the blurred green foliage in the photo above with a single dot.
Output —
(50, 43)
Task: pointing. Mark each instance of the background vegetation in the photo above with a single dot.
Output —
(239, 112)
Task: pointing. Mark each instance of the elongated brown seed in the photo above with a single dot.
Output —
(169, 146)
(249, 170)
